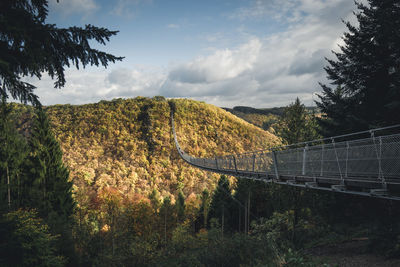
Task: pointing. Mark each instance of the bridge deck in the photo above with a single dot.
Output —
(368, 166)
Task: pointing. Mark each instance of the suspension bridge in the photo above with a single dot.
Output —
(363, 163)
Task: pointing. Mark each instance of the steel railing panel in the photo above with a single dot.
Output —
(373, 158)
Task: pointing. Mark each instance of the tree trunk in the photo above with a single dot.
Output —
(222, 225)
(239, 220)
(245, 216)
(18, 191)
(248, 213)
(165, 228)
(8, 189)
(295, 213)
(112, 236)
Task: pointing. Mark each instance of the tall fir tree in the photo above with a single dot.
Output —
(243, 194)
(204, 208)
(48, 188)
(221, 202)
(180, 207)
(167, 215)
(46, 183)
(296, 125)
(367, 69)
(30, 46)
(12, 155)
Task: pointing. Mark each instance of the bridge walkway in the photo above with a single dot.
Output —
(368, 166)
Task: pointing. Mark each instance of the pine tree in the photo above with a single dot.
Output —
(243, 194)
(12, 154)
(29, 46)
(204, 208)
(167, 215)
(367, 69)
(48, 188)
(337, 105)
(155, 200)
(296, 125)
(46, 182)
(180, 207)
(221, 202)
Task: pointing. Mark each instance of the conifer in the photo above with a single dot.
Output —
(296, 125)
(12, 154)
(221, 202)
(48, 178)
(30, 46)
(367, 69)
(180, 207)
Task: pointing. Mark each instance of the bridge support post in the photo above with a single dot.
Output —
(216, 163)
(275, 165)
(347, 159)
(254, 160)
(337, 160)
(322, 160)
(303, 171)
(234, 162)
(379, 158)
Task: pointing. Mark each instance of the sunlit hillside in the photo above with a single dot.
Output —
(127, 144)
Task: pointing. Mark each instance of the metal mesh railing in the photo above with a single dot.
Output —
(373, 158)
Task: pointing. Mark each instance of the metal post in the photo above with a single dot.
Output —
(379, 157)
(275, 165)
(322, 160)
(347, 159)
(254, 161)
(265, 165)
(216, 163)
(337, 160)
(380, 163)
(234, 162)
(303, 172)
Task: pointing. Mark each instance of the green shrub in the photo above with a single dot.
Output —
(26, 241)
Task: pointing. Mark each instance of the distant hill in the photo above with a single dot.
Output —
(127, 144)
(262, 117)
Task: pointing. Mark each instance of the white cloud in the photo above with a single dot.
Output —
(98, 84)
(173, 26)
(129, 83)
(68, 7)
(264, 71)
(267, 71)
(289, 10)
(128, 8)
(223, 64)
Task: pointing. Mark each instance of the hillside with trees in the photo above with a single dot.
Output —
(127, 177)
(127, 144)
(263, 117)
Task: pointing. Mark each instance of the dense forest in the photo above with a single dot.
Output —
(127, 144)
(263, 117)
(135, 202)
(121, 153)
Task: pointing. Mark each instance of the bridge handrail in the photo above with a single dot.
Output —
(371, 131)
(374, 160)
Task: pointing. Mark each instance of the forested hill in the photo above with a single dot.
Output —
(127, 144)
(263, 117)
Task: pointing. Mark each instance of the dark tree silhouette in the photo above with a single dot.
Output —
(366, 73)
(29, 47)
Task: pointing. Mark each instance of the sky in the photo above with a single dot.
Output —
(259, 53)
